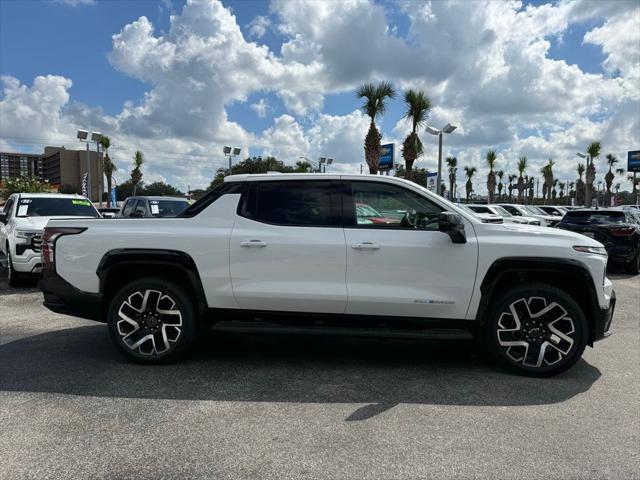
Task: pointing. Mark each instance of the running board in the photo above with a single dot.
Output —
(267, 327)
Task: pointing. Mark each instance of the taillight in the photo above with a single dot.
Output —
(49, 237)
(623, 231)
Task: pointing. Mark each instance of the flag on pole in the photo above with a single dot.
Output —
(113, 197)
(85, 181)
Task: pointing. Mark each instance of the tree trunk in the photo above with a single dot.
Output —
(408, 168)
(590, 178)
(372, 148)
(108, 191)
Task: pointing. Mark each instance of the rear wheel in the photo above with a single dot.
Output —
(536, 330)
(152, 320)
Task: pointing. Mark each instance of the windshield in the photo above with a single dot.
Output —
(593, 217)
(167, 208)
(56, 207)
(501, 211)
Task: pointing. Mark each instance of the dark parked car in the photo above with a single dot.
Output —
(153, 207)
(617, 229)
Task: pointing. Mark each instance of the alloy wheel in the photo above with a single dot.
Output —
(535, 333)
(149, 322)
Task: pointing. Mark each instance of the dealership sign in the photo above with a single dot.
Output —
(431, 181)
(633, 161)
(386, 157)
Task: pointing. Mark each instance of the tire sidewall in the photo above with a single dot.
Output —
(551, 294)
(183, 301)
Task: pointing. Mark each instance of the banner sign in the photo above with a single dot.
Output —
(431, 181)
(633, 161)
(386, 161)
(114, 202)
(85, 180)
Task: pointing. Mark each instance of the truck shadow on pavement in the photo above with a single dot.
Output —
(379, 373)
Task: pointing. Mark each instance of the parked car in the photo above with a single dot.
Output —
(153, 207)
(504, 214)
(483, 214)
(286, 253)
(108, 212)
(366, 214)
(617, 229)
(528, 211)
(22, 222)
(553, 210)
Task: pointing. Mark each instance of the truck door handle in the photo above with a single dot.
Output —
(253, 244)
(365, 246)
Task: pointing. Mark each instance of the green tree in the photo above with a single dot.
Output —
(375, 97)
(469, 172)
(610, 176)
(548, 184)
(254, 165)
(580, 187)
(500, 174)
(593, 152)
(125, 190)
(511, 178)
(491, 176)
(161, 189)
(522, 168)
(108, 166)
(418, 106)
(23, 185)
(418, 175)
(136, 173)
(452, 165)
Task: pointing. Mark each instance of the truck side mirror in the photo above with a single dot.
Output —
(452, 224)
(3, 218)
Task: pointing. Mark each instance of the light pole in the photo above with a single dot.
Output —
(448, 128)
(231, 152)
(95, 137)
(322, 164)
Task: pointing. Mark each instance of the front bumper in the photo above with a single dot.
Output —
(28, 262)
(62, 297)
(603, 318)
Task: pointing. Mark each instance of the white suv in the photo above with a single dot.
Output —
(22, 222)
(294, 253)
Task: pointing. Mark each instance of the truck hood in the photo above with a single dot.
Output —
(545, 234)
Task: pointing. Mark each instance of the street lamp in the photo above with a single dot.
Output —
(448, 128)
(322, 164)
(231, 152)
(95, 137)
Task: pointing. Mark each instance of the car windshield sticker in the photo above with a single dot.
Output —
(22, 210)
(85, 203)
(155, 210)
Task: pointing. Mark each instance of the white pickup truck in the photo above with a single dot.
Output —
(22, 222)
(291, 253)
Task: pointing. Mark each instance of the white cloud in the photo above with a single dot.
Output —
(261, 107)
(259, 26)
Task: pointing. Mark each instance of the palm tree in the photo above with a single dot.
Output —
(547, 175)
(512, 178)
(469, 172)
(634, 187)
(107, 165)
(136, 173)
(452, 165)
(610, 176)
(491, 176)
(500, 174)
(418, 106)
(374, 106)
(530, 181)
(593, 151)
(562, 186)
(522, 167)
(554, 192)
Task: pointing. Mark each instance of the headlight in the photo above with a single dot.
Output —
(26, 234)
(594, 250)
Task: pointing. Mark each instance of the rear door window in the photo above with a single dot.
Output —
(128, 208)
(305, 203)
(593, 217)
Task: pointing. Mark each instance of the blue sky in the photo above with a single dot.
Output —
(74, 41)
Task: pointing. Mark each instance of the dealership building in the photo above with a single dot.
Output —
(57, 165)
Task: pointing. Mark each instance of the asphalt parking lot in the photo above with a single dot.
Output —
(294, 407)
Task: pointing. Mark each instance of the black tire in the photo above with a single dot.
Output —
(168, 336)
(14, 279)
(552, 333)
(633, 267)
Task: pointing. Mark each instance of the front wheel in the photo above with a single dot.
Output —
(536, 330)
(13, 277)
(152, 320)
